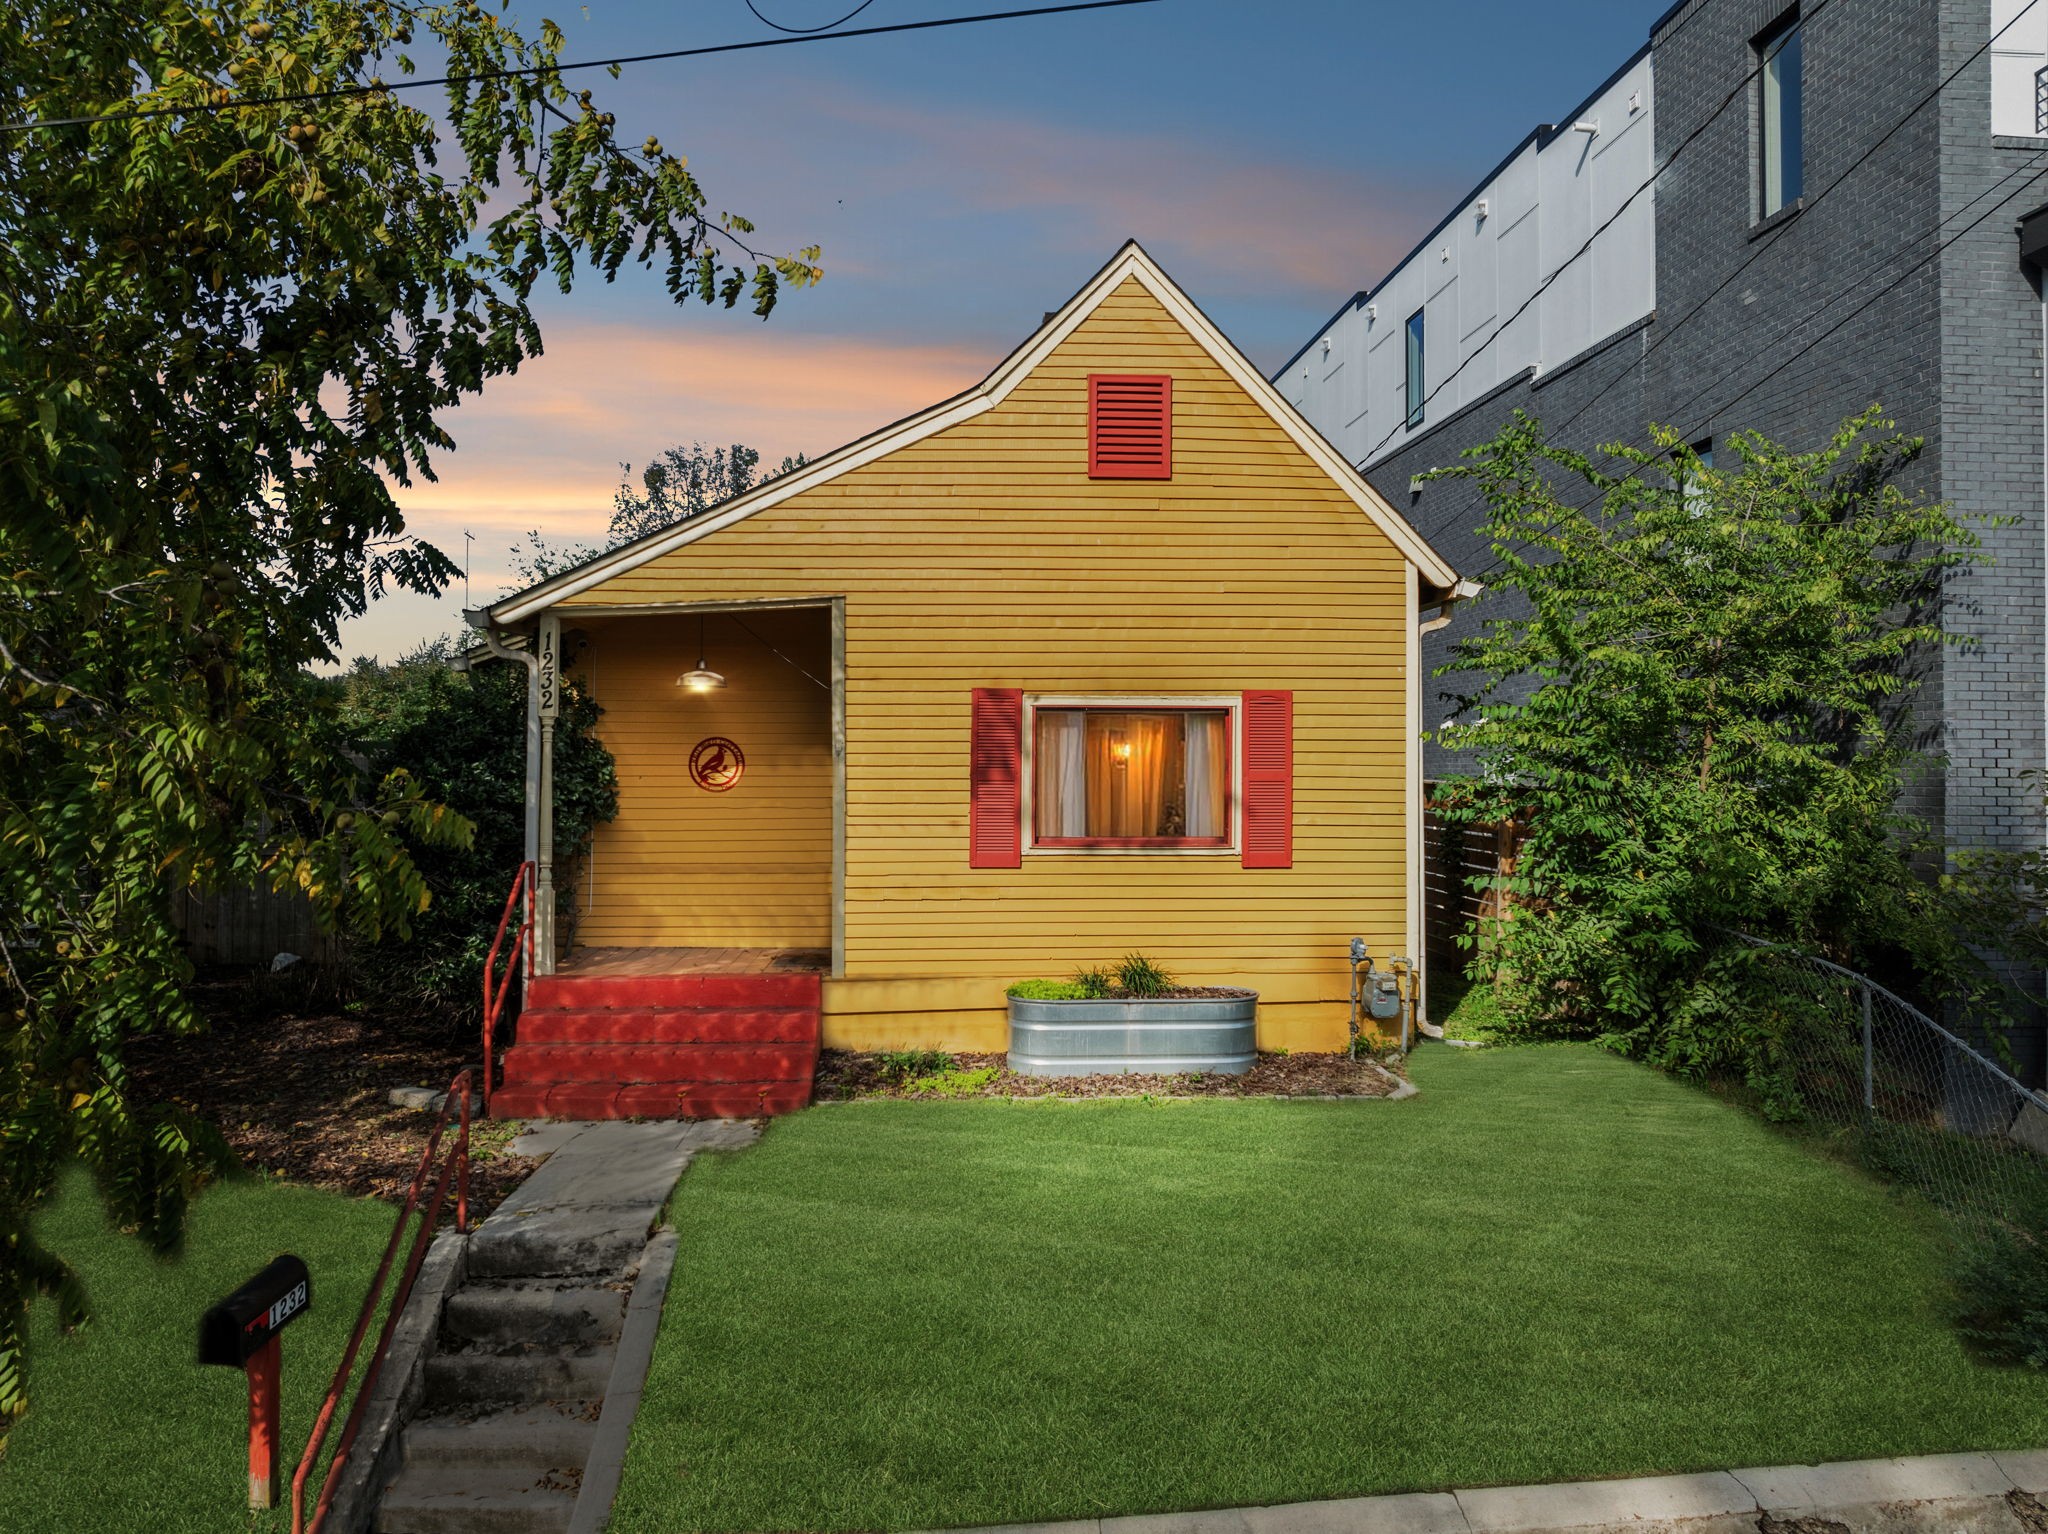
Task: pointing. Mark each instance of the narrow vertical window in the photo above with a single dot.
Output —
(1781, 141)
(1415, 391)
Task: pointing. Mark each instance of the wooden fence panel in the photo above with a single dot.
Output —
(251, 926)
(1453, 856)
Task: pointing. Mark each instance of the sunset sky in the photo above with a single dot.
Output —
(1273, 155)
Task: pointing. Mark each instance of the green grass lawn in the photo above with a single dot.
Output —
(1552, 1264)
(124, 1431)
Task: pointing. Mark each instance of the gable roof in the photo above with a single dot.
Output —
(1128, 264)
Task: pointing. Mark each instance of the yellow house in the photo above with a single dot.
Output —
(1111, 653)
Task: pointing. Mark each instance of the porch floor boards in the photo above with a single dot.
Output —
(695, 961)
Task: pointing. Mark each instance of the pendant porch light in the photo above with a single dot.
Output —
(701, 678)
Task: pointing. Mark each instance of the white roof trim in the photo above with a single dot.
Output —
(1130, 262)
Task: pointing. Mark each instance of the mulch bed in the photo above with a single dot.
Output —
(304, 1097)
(844, 1076)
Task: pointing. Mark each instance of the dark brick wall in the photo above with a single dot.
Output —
(1991, 428)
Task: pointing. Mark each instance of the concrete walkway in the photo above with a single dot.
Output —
(1952, 1493)
(533, 1354)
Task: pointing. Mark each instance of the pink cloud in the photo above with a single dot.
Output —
(543, 448)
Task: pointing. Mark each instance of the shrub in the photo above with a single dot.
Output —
(1693, 684)
(1139, 976)
(952, 1083)
(902, 1064)
(463, 738)
(2002, 1285)
(1094, 982)
(1052, 990)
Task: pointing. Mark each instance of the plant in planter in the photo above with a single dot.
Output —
(1130, 1019)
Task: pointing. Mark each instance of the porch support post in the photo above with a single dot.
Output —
(548, 690)
(479, 619)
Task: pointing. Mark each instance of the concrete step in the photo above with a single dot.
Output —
(684, 1065)
(585, 991)
(593, 1245)
(436, 1500)
(610, 1100)
(669, 1025)
(534, 1313)
(536, 1438)
(479, 1379)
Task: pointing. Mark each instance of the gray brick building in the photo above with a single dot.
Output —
(1769, 217)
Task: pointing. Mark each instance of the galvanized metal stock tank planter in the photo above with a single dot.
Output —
(1162, 1036)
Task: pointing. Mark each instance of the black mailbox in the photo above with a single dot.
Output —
(233, 1331)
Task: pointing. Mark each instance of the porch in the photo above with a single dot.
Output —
(595, 963)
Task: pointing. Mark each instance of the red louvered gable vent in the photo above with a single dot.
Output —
(995, 769)
(1130, 426)
(1268, 780)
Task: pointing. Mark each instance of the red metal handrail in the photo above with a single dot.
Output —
(522, 957)
(456, 1164)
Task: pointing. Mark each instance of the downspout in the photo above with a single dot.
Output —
(1461, 590)
(544, 953)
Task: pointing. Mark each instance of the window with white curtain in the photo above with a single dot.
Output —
(1131, 777)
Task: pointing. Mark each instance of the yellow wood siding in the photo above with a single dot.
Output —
(684, 867)
(984, 556)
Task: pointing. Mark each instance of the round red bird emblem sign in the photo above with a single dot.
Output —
(716, 764)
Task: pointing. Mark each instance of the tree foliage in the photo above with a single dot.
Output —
(680, 483)
(462, 736)
(237, 302)
(1695, 685)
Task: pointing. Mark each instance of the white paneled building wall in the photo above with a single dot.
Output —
(1476, 279)
(2019, 52)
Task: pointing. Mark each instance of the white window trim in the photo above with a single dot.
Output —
(1227, 702)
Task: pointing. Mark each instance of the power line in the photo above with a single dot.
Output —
(1996, 192)
(549, 70)
(1740, 88)
(1665, 333)
(804, 31)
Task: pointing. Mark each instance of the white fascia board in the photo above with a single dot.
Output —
(1130, 262)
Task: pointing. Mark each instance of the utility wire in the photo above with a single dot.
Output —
(805, 31)
(1996, 192)
(764, 644)
(1738, 90)
(2036, 163)
(1665, 333)
(548, 70)
(1741, 88)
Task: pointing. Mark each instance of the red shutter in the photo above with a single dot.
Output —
(1269, 780)
(1130, 426)
(995, 765)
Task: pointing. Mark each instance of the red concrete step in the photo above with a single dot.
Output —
(609, 1100)
(584, 992)
(669, 1025)
(529, 1064)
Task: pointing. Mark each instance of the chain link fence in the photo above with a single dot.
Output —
(1913, 1101)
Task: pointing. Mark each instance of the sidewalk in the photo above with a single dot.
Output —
(1964, 1493)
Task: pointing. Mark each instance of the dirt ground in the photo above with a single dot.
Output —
(300, 1091)
(843, 1075)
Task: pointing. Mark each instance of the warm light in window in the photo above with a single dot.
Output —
(1120, 748)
